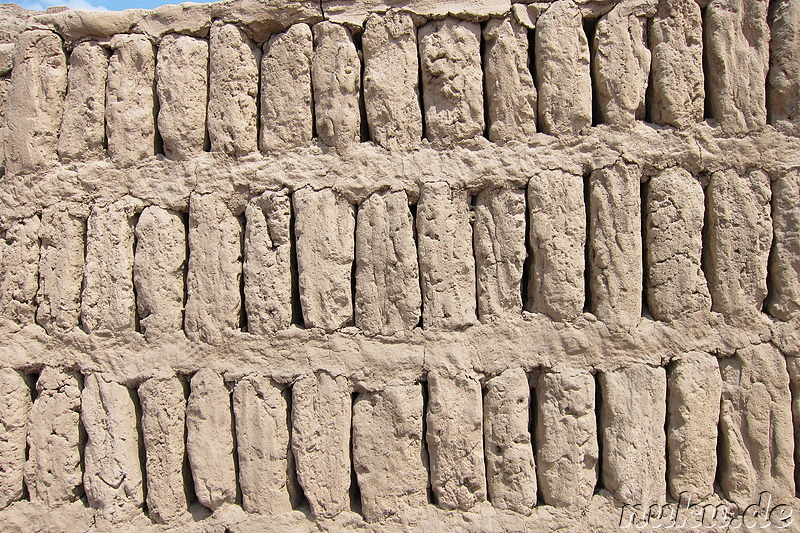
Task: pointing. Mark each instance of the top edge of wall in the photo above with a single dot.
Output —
(260, 18)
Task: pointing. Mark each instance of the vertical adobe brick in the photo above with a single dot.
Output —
(34, 108)
(452, 79)
(108, 303)
(621, 63)
(267, 267)
(391, 80)
(182, 88)
(739, 240)
(510, 92)
(287, 106)
(676, 285)
(510, 469)
(130, 100)
(455, 441)
(14, 411)
(61, 262)
(83, 132)
(53, 473)
(209, 440)
(388, 450)
(112, 475)
(632, 434)
(557, 236)
(447, 265)
(19, 270)
(336, 75)
(694, 386)
(321, 422)
(567, 452)
(164, 434)
(676, 37)
(499, 243)
(261, 409)
(563, 70)
(159, 265)
(214, 303)
(784, 267)
(387, 298)
(737, 57)
(233, 90)
(325, 236)
(615, 244)
(755, 430)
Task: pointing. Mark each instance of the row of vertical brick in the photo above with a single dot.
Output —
(218, 92)
(112, 268)
(654, 431)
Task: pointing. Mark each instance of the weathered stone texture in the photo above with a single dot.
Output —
(61, 262)
(756, 444)
(676, 37)
(783, 92)
(112, 475)
(209, 440)
(267, 265)
(287, 108)
(563, 71)
(163, 435)
(372, 235)
(336, 71)
(784, 268)
(737, 55)
(510, 92)
(622, 63)
(213, 305)
(615, 241)
(34, 108)
(19, 270)
(130, 99)
(159, 266)
(53, 470)
(694, 386)
(6, 58)
(455, 441)
(387, 298)
(447, 266)
(108, 301)
(233, 88)
(632, 434)
(261, 409)
(325, 236)
(510, 470)
(391, 80)
(5, 85)
(793, 367)
(14, 409)
(675, 210)
(83, 133)
(567, 452)
(499, 243)
(452, 79)
(388, 451)
(182, 88)
(321, 418)
(557, 237)
(739, 240)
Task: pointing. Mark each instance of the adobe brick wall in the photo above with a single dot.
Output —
(353, 265)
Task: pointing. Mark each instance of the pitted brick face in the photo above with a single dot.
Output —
(353, 266)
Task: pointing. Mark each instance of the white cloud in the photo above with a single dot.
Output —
(41, 5)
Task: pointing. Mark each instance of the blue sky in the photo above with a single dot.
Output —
(114, 5)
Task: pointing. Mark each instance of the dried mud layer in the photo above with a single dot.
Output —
(403, 266)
